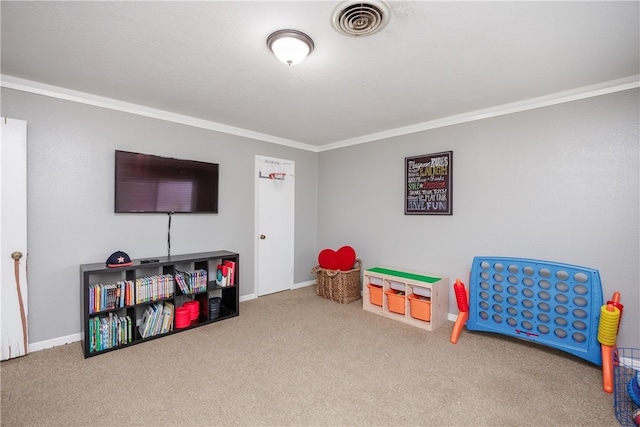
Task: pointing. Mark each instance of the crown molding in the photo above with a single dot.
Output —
(619, 85)
(30, 86)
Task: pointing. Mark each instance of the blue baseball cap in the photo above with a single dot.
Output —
(119, 259)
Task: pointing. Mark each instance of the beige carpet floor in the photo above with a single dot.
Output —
(293, 358)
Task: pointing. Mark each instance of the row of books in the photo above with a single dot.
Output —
(109, 331)
(110, 296)
(226, 274)
(147, 289)
(191, 282)
(154, 288)
(157, 319)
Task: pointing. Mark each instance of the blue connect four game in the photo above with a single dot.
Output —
(557, 305)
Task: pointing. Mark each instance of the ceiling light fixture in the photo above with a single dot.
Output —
(290, 46)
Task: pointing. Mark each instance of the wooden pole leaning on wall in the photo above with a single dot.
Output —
(23, 317)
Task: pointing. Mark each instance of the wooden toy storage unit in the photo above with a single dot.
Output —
(383, 281)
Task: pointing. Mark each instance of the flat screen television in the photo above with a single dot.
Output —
(148, 183)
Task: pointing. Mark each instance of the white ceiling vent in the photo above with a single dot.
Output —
(360, 18)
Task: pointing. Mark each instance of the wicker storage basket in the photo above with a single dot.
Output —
(336, 285)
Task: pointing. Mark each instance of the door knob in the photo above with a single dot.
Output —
(262, 236)
(16, 255)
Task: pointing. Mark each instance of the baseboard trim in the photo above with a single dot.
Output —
(248, 297)
(43, 345)
(303, 284)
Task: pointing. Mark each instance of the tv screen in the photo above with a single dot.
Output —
(148, 183)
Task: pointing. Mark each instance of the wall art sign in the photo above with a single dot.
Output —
(428, 184)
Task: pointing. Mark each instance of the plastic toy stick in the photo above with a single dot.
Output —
(607, 331)
(462, 296)
(607, 368)
(463, 316)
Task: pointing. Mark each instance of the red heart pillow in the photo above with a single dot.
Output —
(328, 258)
(346, 258)
(343, 259)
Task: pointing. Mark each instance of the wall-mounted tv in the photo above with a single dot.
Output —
(149, 183)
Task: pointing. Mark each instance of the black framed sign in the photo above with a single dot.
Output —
(429, 179)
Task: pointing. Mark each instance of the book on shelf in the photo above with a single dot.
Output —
(111, 325)
(222, 275)
(92, 338)
(94, 323)
(103, 297)
(167, 317)
(202, 280)
(108, 331)
(159, 319)
(156, 319)
(119, 335)
(189, 277)
(154, 288)
(172, 312)
(92, 296)
(182, 284)
(118, 297)
(145, 322)
(191, 282)
(231, 265)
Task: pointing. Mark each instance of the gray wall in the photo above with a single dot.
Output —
(70, 161)
(557, 183)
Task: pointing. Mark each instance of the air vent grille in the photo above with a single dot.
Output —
(358, 19)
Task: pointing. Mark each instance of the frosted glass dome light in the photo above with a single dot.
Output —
(290, 46)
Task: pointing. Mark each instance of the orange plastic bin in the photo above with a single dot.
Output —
(395, 301)
(420, 307)
(375, 294)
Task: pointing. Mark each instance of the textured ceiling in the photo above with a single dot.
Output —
(209, 60)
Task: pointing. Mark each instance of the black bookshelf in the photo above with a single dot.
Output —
(115, 320)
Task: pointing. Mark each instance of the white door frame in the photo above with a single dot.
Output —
(13, 238)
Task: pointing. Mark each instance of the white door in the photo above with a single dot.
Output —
(13, 235)
(274, 224)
